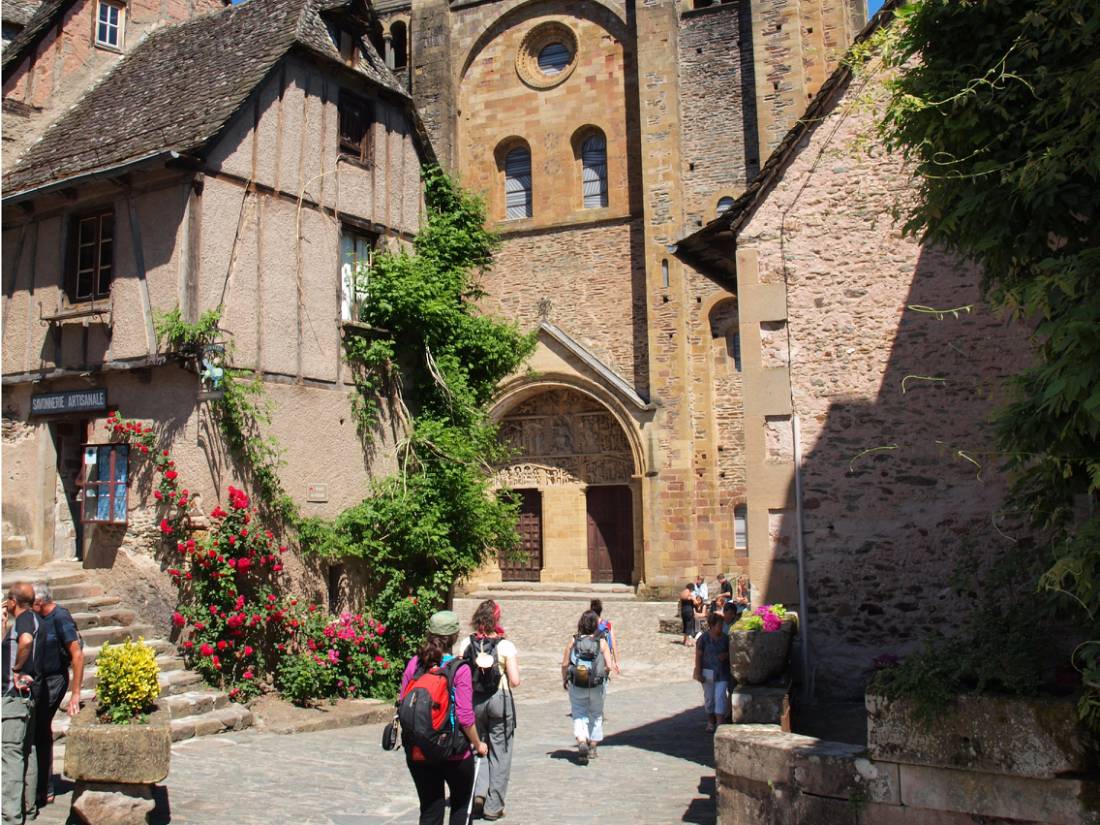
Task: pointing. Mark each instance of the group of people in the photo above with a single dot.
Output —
(458, 714)
(696, 606)
(41, 646)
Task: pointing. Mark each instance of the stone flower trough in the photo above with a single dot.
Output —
(116, 766)
(757, 657)
(986, 760)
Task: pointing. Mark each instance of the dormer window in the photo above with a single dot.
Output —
(355, 128)
(110, 24)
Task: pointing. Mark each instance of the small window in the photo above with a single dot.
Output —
(554, 58)
(355, 128)
(725, 204)
(741, 526)
(109, 24)
(400, 39)
(356, 251)
(733, 349)
(91, 259)
(106, 475)
(594, 171)
(517, 184)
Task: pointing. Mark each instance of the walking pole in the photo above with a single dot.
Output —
(470, 804)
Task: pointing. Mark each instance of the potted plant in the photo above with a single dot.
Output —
(760, 643)
(119, 746)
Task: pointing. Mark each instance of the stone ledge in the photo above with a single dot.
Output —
(274, 715)
(1038, 738)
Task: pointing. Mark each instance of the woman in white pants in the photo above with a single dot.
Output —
(584, 666)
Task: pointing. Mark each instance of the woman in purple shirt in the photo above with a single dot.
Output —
(458, 771)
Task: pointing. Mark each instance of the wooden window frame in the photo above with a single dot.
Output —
(352, 230)
(120, 26)
(359, 149)
(111, 485)
(100, 286)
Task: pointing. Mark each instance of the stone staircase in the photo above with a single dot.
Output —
(195, 708)
(553, 591)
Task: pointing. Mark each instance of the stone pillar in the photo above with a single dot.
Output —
(565, 534)
(387, 39)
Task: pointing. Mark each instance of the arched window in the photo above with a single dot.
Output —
(399, 36)
(725, 204)
(517, 184)
(594, 171)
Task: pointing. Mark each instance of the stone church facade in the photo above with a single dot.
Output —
(599, 134)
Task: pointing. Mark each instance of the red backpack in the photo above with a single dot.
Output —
(429, 730)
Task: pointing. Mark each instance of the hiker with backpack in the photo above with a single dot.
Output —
(438, 727)
(712, 670)
(492, 661)
(584, 666)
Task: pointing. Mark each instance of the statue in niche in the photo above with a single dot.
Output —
(562, 436)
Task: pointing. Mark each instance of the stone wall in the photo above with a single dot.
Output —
(992, 762)
(718, 110)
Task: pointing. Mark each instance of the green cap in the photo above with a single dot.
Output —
(443, 623)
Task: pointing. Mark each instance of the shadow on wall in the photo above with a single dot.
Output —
(900, 486)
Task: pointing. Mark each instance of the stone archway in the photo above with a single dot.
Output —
(573, 456)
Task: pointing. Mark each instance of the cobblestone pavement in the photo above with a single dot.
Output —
(655, 767)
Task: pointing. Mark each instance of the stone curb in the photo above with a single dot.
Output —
(347, 713)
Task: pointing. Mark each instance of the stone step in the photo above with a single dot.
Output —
(91, 604)
(166, 663)
(594, 589)
(64, 571)
(162, 647)
(553, 595)
(194, 702)
(228, 718)
(83, 589)
(115, 634)
(104, 618)
(13, 543)
(14, 560)
(172, 682)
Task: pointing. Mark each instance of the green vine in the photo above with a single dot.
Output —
(436, 361)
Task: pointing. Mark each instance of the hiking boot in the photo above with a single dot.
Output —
(582, 751)
(491, 817)
(479, 806)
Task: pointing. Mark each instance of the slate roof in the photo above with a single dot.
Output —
(179, 87)
(711, 248)
(18, 12)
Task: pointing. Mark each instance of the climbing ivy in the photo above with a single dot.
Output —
(996, 105)
(441, 360)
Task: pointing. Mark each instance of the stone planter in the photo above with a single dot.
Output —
(1036, 737)
(115, 767)
(757, 657)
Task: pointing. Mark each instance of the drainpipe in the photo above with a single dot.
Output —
(803, 589)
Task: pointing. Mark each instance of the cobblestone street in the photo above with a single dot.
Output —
(655, 767)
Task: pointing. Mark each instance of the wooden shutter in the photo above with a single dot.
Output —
(594, 172)
(517, 184)
(740, 526)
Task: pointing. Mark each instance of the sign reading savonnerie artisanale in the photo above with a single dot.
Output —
(53, 403)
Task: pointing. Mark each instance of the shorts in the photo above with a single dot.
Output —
(715, 694)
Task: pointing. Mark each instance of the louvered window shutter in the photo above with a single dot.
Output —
(517, 184)
(594, 172)
(554, 58)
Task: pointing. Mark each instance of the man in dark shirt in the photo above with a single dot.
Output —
(724, 586)
(61, 647)
(22, 662)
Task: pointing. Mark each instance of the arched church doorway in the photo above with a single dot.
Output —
(575, 472)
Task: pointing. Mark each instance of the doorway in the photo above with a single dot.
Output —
(525, 565)
(611, 533)
(69, 436)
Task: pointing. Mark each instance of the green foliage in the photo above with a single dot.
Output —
(302, 679)
(998, 108)
(437, 519)
(127, 683)
(179, 335)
